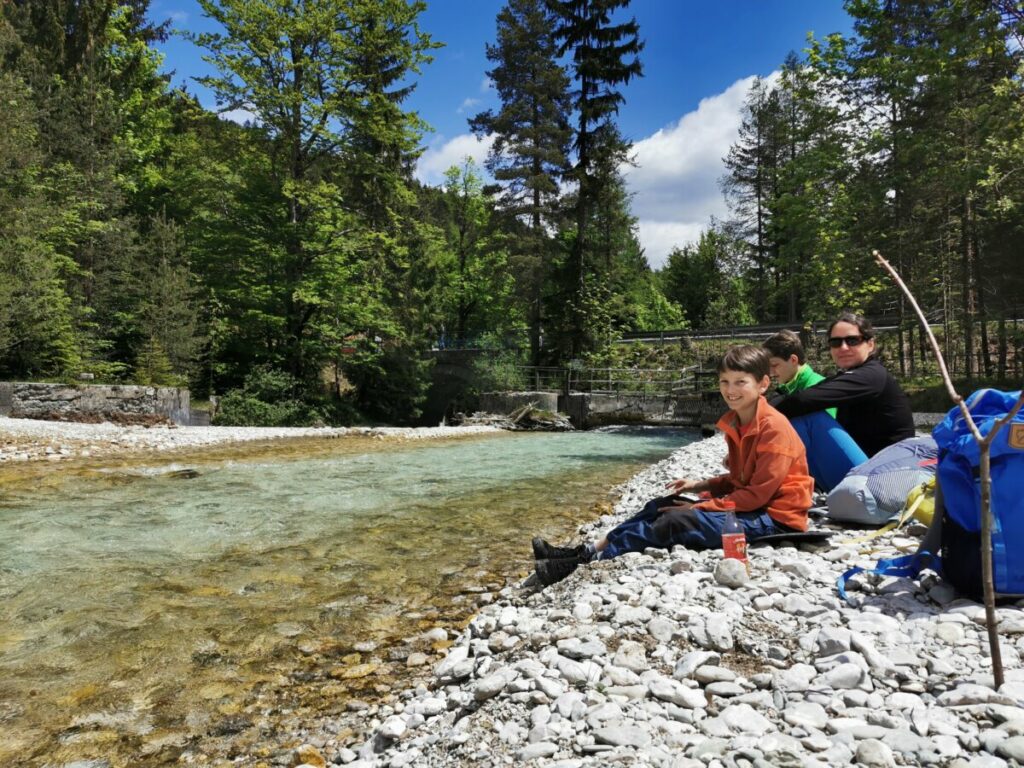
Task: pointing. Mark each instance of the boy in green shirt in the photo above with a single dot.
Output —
(788, 367)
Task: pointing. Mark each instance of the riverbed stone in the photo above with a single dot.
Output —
(806, 714)
(731, 573)
(632, 655)
(623, 736)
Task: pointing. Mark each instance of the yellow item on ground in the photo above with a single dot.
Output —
(922, 500)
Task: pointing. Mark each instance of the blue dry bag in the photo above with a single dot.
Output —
(959, 474)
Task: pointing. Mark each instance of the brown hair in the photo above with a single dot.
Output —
(784, 344)
(745, 358)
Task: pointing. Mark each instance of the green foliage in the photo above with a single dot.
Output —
(392, 386)
(154, 368)
(269, 398)
(501, 372)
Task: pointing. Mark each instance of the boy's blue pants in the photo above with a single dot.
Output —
(699, 529)
(831, 452)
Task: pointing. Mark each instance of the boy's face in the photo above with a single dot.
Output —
(783, 370)
(741, 390)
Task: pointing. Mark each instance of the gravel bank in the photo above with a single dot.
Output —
(34, 440)
(657, 659)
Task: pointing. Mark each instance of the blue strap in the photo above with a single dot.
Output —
(907, 566)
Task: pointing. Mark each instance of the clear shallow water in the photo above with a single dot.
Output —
(142, 613)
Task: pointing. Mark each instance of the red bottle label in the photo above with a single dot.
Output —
(735, 546)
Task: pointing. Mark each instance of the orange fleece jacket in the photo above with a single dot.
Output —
(767, 469)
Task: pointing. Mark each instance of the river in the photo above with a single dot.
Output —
(153, 609)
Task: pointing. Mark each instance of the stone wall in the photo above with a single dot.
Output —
(94, 402)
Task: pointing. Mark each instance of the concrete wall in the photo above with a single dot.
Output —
(587, 410)
(122, 402)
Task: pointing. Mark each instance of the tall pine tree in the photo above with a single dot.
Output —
(605, 57)
(531, 135)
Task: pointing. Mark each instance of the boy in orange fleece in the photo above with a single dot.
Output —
(767, 481)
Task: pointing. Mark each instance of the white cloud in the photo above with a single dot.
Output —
(486, 85)
(675, 182)
(240, 116)
(660, 237)
(442, 156)
(467, 104)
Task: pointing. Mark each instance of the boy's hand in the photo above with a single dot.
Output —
(683, 484)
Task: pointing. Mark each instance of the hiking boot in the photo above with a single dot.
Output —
(544, 551)
(552, 571)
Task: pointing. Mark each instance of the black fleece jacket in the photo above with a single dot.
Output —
(869, 405)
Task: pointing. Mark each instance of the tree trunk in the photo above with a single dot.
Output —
(1001, 369)
(984, 353)
(967, 277)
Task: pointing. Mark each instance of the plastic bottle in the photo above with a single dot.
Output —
(734, 540)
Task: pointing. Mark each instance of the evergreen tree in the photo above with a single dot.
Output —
(751, 183)
(691, 274)
(531, 138)
(605, 56)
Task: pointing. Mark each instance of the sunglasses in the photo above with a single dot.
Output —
(851, 341)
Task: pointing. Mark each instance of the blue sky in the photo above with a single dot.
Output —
(699, 61)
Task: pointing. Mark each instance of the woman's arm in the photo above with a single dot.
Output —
(862, 383)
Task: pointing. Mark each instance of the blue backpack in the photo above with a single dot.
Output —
(959, 474)
(958, 479)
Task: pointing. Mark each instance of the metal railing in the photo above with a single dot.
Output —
(644, 382)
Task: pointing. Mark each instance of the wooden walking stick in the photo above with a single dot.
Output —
(984, 443)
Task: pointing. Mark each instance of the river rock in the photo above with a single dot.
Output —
(875, 754)
(623, 736)
(731, 572)
(632, 655)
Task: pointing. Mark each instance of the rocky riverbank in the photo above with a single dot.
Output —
(34, 440)
(660, 659)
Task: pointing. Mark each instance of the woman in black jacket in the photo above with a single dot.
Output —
(872, 412)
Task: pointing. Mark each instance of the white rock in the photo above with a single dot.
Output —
(623, 736)
(719, 632)
(806, 715)
(490, 686)
(709, 673)
(689, 664)
(731, 573)
(631, 655)
(662, 629)
(743, 718)
(669, 690)
(795, 678)
(875, 754)
(833, 640)
(393, 728)
(448, 664)
(844, 676)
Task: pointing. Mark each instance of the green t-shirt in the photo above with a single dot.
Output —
(805, 377)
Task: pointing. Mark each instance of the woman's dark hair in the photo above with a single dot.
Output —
(746, 358)
(784, 344)
(867, 330)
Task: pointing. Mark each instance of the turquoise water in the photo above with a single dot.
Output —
(141, 608)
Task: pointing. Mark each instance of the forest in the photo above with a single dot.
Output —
(295, 267)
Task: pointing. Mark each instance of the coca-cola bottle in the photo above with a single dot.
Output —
(734, 540)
